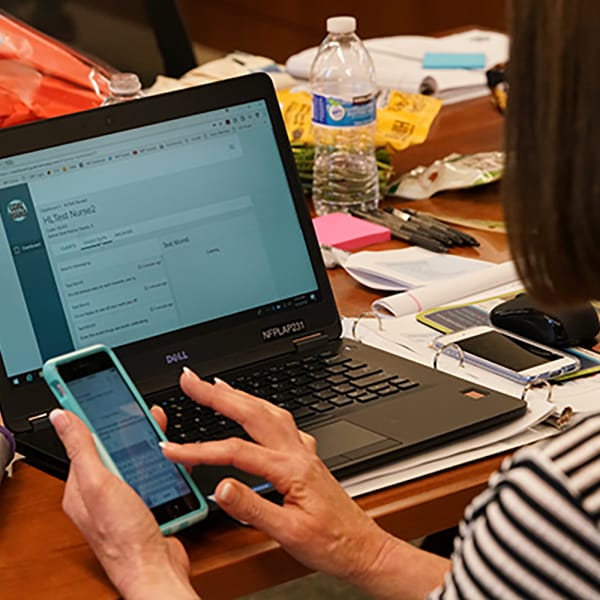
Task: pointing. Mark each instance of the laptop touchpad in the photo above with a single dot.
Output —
(342, 437)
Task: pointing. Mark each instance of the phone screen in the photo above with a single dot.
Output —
(127, 435)
(506, 351)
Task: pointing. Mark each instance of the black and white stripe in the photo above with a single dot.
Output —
(535, 531)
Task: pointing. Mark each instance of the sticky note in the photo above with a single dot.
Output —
(347, 232)
(454, 60)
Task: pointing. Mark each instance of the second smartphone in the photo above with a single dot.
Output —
(93, 384)
(507, 354)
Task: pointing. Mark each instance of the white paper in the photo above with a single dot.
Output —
(420, 464)
(446, 291)
(398, 61)
(407, 268)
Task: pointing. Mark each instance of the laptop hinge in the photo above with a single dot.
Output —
(307, 342)
(39, 422)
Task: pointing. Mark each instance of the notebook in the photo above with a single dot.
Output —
(174, 229)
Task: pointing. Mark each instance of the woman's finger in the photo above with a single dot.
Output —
(272, 465)
(264, 422)
(245, 505)
(159, 416)
(309, 441)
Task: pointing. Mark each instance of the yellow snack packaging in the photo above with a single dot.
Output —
(403, 119)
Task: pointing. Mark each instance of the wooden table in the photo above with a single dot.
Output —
(42, 555)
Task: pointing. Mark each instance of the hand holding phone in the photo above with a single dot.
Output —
(93, 384)
(506, 354)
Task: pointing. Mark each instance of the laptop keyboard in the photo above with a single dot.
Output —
(308, 387)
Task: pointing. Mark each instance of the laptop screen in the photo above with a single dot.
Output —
(129, 235)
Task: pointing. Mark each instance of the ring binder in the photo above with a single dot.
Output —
(559, 419)
(364, 315)
(537, 383)
(440, 351)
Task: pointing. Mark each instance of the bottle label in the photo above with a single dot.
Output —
(341, 113)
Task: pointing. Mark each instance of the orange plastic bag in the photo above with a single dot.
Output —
(41, 77)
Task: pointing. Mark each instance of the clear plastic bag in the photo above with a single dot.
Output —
(40, 77)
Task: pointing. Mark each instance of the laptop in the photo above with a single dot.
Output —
(174, 229)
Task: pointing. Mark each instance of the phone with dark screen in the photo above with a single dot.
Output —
(507, 354)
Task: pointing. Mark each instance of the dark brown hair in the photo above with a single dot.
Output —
(551, 191)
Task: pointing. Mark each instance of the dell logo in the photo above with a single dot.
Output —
(176, 357)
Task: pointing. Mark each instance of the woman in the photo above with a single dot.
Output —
(535, 531)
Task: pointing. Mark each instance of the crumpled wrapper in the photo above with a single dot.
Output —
(455, 171)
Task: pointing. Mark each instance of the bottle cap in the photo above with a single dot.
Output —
(125, 83)
(341, 24)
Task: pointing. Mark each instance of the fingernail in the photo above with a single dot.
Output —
(167, 445)
(226, 493)
(60, 420)
(186, 371)
(220, 382)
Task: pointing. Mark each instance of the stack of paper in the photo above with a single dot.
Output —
(399, 63)
(447, 289)
(408, 268)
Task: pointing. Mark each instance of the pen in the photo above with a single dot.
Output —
(466, 239)
(421, 236)
(421, 227)
(453, 235)
(401, 232)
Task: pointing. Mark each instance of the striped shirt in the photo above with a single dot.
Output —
(535, 531)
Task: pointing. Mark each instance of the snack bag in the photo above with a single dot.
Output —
(41, 77)
(453, 172)
(403, 119)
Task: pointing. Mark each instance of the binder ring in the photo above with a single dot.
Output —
(537, 383)
(442, 349)
(365, 315)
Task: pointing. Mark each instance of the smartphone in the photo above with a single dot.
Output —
(507, 354)
(93, 384)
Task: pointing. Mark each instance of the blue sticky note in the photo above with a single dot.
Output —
(454, 60)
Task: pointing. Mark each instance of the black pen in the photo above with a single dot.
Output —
(454, 236)
(400, 232)
(467, 239)
(418, 226)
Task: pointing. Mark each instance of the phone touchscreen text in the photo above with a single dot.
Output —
(127, 436)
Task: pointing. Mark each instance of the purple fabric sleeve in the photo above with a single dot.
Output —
(11, 442)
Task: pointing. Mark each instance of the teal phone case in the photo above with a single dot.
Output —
(67, 401)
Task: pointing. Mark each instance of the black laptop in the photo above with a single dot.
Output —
(174, 229)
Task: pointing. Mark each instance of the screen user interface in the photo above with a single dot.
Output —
(127, 436)
(511, 353)
(114, 239)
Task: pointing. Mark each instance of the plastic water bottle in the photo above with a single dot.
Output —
(343, 87)
(123, 87)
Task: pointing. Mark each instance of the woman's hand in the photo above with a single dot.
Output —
(117, 524)
(318, 523)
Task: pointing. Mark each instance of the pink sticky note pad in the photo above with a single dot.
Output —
(347, 232)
